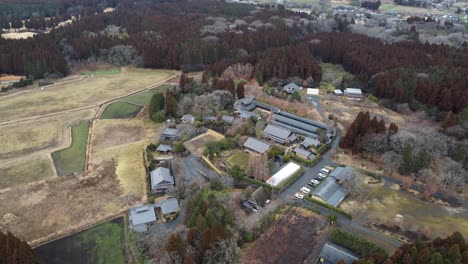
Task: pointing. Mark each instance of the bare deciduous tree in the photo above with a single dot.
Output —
(376, 142)
(392, 160)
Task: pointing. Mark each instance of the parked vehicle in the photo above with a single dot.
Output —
(322, 176)
(305, 190)
(312, 184)
(299, 196)
(324, 171)
(318, 178)
(315, 182)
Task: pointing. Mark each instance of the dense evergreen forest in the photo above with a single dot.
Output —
(214, 35)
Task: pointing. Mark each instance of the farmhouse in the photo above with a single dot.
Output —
(353, 93)
(141, 216)
(169, 206)
(227, 119)
(305, 154)
(308, 142)
(164, 148)
(170, 133)
(256, 145)
(256, 200)
(188, 119)
(275, 133)
(291, 88)
(161, 179)
(331, 191)
(10, 79)
(332, 253)
(283, 174)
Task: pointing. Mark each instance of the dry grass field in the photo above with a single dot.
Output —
(197, 144)
(124, 141)
(86, 92)
(18, 35)
(61, 205)
(47, 133)
(25, 171)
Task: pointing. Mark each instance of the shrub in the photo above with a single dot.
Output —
(216, 185)
(373, 98)
(329, 206)
(217, 147)
(323, 148)
(356, 243)
(274, 151)
(159, 117)
(179, 147)
(287, 158)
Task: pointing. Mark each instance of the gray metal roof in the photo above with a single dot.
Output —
(304, 120)
(227, 118)
(291, 86)
(171, 132)
(142, 215)
(294, 129)
(330, 191)
(267, 107)
(277, 132)
(161, 177)
(342, 173)
(353, 91)
(188, 118)
(310, 142)
(332, 253)
(304, 152)
(164, 148)
(250, 107)
(295, 123)
(292, 138)
(169, 206)
(256, 145)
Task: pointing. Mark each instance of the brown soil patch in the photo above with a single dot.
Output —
(197, 144)
(60, 205)
(295, 238)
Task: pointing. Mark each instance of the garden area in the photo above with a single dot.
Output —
(121, 109)
(104, 243)
(73, 158)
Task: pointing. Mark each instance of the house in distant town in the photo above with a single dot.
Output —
(188, 119)
(331, 190)
(303, 153)
(10, 79)
(141, 216)
(291, 88)
(253, 144)
(256, 200)
(332, 253)
(353, 93)
(227, 119)
(164, 148)
(171, 133)
(276, 133)
(161, 179)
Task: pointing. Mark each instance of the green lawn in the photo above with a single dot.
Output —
(104, 243)
(73, 158)
(120, 109)
(103, 72)
(240, 158)
(144, 98)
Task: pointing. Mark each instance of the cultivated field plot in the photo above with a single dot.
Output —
(409, 9)
(73, 158)
(86, 92)
(100, 244)
(120, 109)
(197, 144)
(391, 206)
(124, 141)
(144, 98)
(25, 171)
(295, 237)
(40, 212)
(41, 134)
(240, 158)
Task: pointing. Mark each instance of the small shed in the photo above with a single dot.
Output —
(303, 153)
(169, 206)
(164, 148)
(227, 119)
(338, 92)
(353, 93)
(188, 119)
(312, 91)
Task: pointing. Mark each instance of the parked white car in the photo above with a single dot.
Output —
(299, 196)
(322, 175)
(324, 171)
(305, 190)
(315, 182)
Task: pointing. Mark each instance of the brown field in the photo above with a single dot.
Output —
(124, 141)
(41, 134)
(296, 237)
(25, 171)
(86, 92)
(197, 144)
(60, 205)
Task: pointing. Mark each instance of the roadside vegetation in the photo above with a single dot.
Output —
(73, 158)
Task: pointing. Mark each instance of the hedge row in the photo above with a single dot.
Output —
(255, 182)
(322, 149)
(371, 174)
(308, 163)
(329, 206)
(356, 243)
(290, 180)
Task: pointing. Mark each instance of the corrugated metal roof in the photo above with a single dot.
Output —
(330, 191)
(332, 253)
(256, 145)
(354, 91)
(295, 123)
(341, 173)
(284, 173)
(160, 176)
(304, 120)
(227, 118)
(169, 206)
(171, 132)
(310, 142)
(304, 152)
(294, 129)
(164, 148)
(277, 132)
(142, 215)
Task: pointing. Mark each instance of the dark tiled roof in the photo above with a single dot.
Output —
(257, 145)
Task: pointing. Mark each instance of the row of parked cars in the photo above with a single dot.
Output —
(312, 184)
